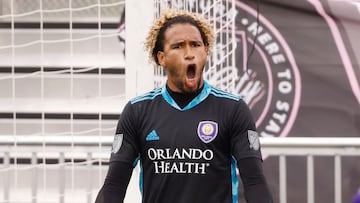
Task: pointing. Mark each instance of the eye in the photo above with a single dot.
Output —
(177, 46)
(195, 44)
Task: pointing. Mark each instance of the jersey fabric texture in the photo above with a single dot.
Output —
(186, 154)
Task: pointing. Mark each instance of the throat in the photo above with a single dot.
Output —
(183, 99)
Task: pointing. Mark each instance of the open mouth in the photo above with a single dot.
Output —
(191, 70)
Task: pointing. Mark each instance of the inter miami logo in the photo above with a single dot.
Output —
(272, 84)
(207, 131)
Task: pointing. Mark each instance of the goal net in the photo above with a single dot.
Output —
(64, 82)
(62, 76)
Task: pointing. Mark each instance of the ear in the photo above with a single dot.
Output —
(161, 58)
(207, 50)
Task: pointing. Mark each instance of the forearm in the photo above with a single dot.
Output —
(257, 192)
(256, 189)
(116, 182)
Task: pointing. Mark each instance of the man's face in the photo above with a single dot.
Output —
(184, 57)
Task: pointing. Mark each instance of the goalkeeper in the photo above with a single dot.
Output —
(188, 136)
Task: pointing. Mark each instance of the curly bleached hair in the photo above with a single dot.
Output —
(155, 38)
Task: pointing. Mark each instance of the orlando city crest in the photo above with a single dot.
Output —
(207, 131)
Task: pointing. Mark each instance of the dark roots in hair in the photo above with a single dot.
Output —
(155, 39)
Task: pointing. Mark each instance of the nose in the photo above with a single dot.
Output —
(189, 53)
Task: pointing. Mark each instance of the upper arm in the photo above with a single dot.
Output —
(244, 138)
(125, 145)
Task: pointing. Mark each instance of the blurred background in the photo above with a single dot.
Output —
(67, 67)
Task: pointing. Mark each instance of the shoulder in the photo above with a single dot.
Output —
(228, 100)
(219, 93)
(136, 106)
(147, 96)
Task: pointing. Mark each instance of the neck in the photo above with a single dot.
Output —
(183, 98)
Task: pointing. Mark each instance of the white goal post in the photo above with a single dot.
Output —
(139, 72)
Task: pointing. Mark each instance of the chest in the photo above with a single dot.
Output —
(203, 127)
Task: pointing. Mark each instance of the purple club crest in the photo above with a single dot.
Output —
(207, 131)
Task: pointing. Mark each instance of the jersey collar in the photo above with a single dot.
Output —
(197, 100)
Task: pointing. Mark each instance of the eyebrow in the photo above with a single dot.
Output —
(182, 42)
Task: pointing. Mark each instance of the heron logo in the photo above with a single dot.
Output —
(271, 82)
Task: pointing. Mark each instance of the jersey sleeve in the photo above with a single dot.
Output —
(116, 183)
(255, 185)
(244, 137)
(125, 147)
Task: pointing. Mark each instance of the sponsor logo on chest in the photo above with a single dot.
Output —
(189, 160)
